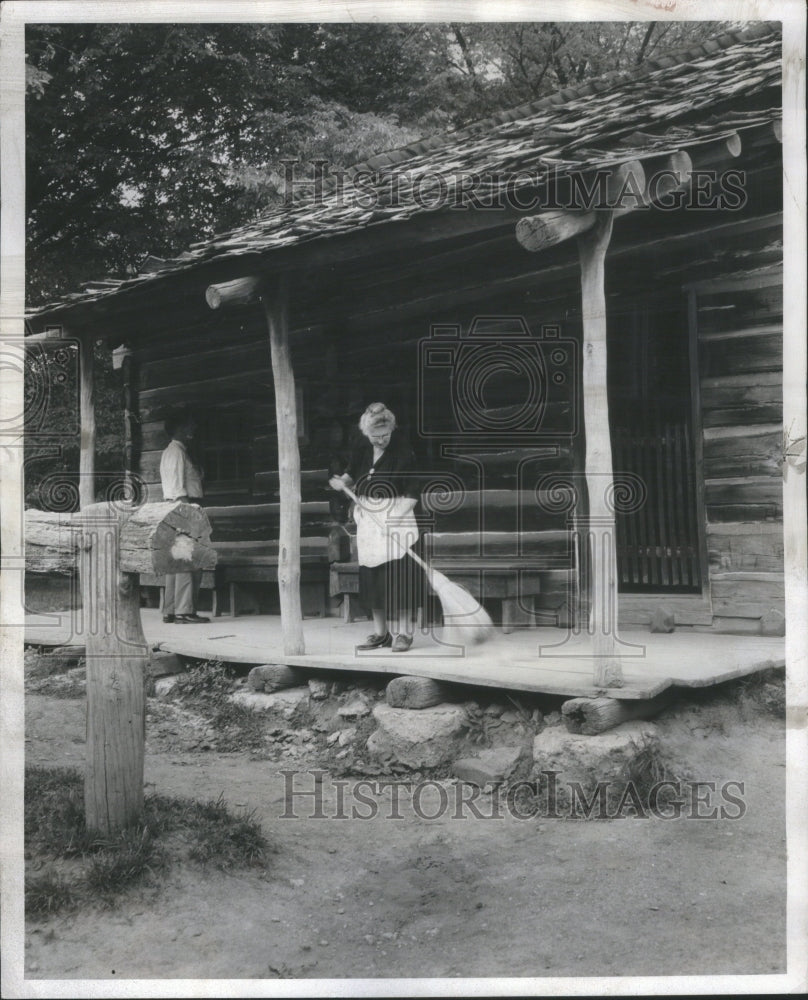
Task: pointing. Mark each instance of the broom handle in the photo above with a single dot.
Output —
(381, 524)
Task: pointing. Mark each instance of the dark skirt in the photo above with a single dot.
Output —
(400, 583)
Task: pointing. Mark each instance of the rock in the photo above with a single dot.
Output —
(511, 718)
(553, 719)
(165, 664)
(422, 738)
(347, 736)
(414, 692)
(332, 738)
(488, 766)
(56, 660)
(588, 759)
(279, 701)
(662, 620)
(495, 710)
(273, 677)
(318, 689)
(773, 623)
(357, 708)
(164, 685)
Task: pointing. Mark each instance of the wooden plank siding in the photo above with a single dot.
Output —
(739, 327)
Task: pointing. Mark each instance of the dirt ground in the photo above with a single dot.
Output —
(414, 897)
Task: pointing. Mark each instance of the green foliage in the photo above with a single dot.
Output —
(144, 138)
(763, 691)
(52, 424)
(85, 869)
(207, 688)
(47, 894)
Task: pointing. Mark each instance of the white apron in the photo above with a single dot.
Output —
(387, 534)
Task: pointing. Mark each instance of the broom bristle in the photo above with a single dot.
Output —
(465, 620)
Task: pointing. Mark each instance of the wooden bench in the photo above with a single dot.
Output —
(242, 564)
(245, 539)
(523, 579)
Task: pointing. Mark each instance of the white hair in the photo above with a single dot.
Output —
(377, 417)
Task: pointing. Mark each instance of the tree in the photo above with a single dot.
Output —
(144, 138)
(116, 171)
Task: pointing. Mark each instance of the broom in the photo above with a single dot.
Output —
(465, 620)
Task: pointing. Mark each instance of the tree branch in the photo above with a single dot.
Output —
(646, 39)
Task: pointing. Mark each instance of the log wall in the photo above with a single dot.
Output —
(737, 323)
(362, 341)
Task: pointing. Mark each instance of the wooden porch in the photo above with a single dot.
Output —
(534, 660)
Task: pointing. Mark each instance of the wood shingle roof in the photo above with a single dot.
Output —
(724, 85)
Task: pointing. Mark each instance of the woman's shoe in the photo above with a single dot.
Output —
(168, 619)
(402, 643)
(377, 641)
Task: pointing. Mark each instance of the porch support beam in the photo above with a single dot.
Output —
(86, 420)
(599, 533)
(624, 187)
(275, 300)
(273, 295)
(632, 186)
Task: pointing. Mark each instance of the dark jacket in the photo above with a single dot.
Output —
(395, 473)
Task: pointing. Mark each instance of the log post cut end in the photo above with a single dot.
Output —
(168, 537)
(241, 292)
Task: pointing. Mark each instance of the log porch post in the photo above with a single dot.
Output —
(273, 294)
(275, 301)
(86, 420)
(599, 536)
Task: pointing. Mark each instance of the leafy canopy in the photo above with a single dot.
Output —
(144, 138)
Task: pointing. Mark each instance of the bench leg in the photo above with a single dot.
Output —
(517, 612)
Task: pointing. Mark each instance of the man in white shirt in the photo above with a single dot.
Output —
(181, 480)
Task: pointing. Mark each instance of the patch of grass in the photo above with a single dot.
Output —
(477, 725)
(104, 868)
(58, 686)
(764, 691)
(646, 770)
(226, 841)
(123, 862)
(54, 812)
(47, 894)
(237, 727)
(207, 688)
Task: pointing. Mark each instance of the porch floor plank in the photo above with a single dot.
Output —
(536, 660)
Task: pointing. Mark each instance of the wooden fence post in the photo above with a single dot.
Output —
(117, 659)
(117, 542)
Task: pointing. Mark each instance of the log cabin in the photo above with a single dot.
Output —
(574, 307)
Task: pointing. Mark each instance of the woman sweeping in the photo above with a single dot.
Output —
(382, 473)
